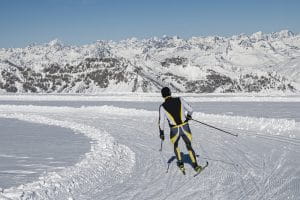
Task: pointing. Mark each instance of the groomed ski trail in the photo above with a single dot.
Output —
(256, 165)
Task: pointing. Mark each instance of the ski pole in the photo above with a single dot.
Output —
(161, 145)
(215, 128)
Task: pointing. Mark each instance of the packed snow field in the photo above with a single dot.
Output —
(124, 161)
(28, 150)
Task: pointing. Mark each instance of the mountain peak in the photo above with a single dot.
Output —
(258, 35)
(55, 42)
(285, 33)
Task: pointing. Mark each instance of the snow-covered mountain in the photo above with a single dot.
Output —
(243, 63)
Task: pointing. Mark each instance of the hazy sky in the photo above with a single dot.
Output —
(77, 22)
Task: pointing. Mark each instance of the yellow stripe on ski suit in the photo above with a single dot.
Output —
(175, 137)
(173, 140)
(192, 157)
(178, 153)
(180, 125)
(171, 117)
(189, 135)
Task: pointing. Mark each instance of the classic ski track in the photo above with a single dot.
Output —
(248, 162)
(237, 169)
(224, 150)
(273, 174)
(242, 153)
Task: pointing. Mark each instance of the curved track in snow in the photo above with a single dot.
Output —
(262, 163)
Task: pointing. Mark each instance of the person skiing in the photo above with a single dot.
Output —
(178, 112)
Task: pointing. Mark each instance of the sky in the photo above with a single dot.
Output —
(78, 22)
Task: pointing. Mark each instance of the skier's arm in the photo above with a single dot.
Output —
(161, 122)
(187, 107)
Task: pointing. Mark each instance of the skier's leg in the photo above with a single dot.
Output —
(177, 151)
(174, 136)
(187, 138)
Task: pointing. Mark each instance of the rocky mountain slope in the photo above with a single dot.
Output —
(244, 63)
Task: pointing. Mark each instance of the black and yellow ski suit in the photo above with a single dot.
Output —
(175, 110)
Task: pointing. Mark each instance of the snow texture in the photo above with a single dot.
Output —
(124, 163)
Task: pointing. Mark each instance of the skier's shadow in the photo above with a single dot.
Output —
(185, 159)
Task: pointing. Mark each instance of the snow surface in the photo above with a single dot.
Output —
(28, 150)
(124, 162)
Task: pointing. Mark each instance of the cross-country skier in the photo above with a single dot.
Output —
(178, 112)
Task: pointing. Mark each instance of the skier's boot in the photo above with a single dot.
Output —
(181, 166)
(197, 167)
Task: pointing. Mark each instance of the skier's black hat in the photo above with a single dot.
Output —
(165, 92)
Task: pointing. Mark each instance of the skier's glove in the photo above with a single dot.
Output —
(161, 135)
(188, 117)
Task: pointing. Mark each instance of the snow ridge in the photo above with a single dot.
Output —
(106, 159)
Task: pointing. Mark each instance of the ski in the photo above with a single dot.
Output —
(201, 169)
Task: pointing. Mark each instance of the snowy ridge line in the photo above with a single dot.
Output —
(266, 125)
(87, 174)
(154, 97)
(243, 63)
(84, 109)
